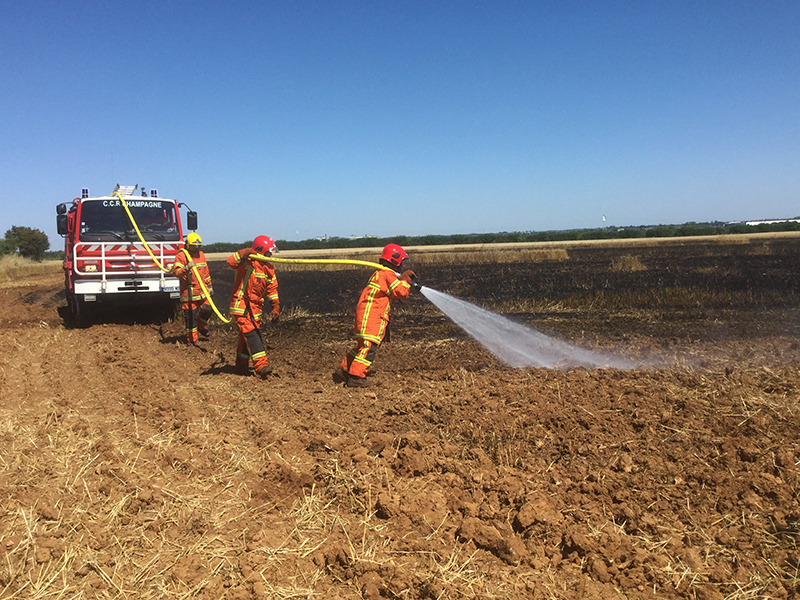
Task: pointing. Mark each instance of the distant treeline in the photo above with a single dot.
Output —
(607, 233)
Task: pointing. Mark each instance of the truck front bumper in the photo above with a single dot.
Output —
(128, 285)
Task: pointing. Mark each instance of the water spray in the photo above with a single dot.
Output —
(514, 343)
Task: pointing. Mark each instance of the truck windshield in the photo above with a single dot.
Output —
(106, 220)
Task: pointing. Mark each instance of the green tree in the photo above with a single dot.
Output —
(28, 242)
(660, 231)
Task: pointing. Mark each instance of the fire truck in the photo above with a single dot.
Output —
(105, 261)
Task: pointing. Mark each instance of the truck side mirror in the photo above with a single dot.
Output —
(191, 220)
(61, 223)
(61, 208)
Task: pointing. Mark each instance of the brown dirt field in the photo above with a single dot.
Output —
(132, 465)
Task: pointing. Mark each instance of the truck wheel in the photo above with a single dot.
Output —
(72, 305)
(81, 313)
(171, 310)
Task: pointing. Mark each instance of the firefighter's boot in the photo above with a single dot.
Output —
(264, 372)
(340, 375)
(358, 382)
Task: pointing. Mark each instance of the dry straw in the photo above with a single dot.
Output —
(450, 256)
(455, 256)
(13, 267)
(627, 263)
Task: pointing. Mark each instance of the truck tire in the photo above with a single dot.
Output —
(171, 310)
(80, 312)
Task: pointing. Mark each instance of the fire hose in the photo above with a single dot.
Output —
(324, 261)
(260, 257)
(163, 268)
(332, 261)
(204, 288)
(139, 233)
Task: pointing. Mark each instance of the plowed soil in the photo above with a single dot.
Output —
(135, 466)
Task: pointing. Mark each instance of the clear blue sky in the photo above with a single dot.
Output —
(298, 119)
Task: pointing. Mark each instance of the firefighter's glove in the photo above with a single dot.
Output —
(408, 276)
(275, 315)
(245, 252)
(191, 264)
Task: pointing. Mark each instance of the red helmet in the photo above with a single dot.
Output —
(394, 255)
(263, 244)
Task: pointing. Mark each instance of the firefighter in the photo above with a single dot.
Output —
(372, 314)
(194, 301)
(255, 280)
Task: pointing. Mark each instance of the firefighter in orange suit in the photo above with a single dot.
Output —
(255, 280)
(372, 314)
(194, 301)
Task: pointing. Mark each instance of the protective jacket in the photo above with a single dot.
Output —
(183, 273)
(255, 280)
(375, 304)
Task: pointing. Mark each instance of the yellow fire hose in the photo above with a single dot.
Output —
(259, 257)
(263, 258)
(162, 267)
(205, 289)
(324, 261)
(139, 233)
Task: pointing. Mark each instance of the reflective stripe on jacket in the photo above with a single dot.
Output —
(375, 304)
(180, 271)
(255, 280)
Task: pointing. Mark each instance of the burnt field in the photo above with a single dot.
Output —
(132, 465)
(691, 291)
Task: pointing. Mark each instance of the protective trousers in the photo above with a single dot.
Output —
(359, 359)
(196, 314)
(250, 345)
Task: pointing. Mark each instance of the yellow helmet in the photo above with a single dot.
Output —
(194, 240)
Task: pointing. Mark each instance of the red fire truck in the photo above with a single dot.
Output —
(105, 261)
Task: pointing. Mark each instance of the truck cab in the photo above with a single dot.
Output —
(106, 261)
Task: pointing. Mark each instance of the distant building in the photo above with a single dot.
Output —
(327, 238)
(770, 221)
